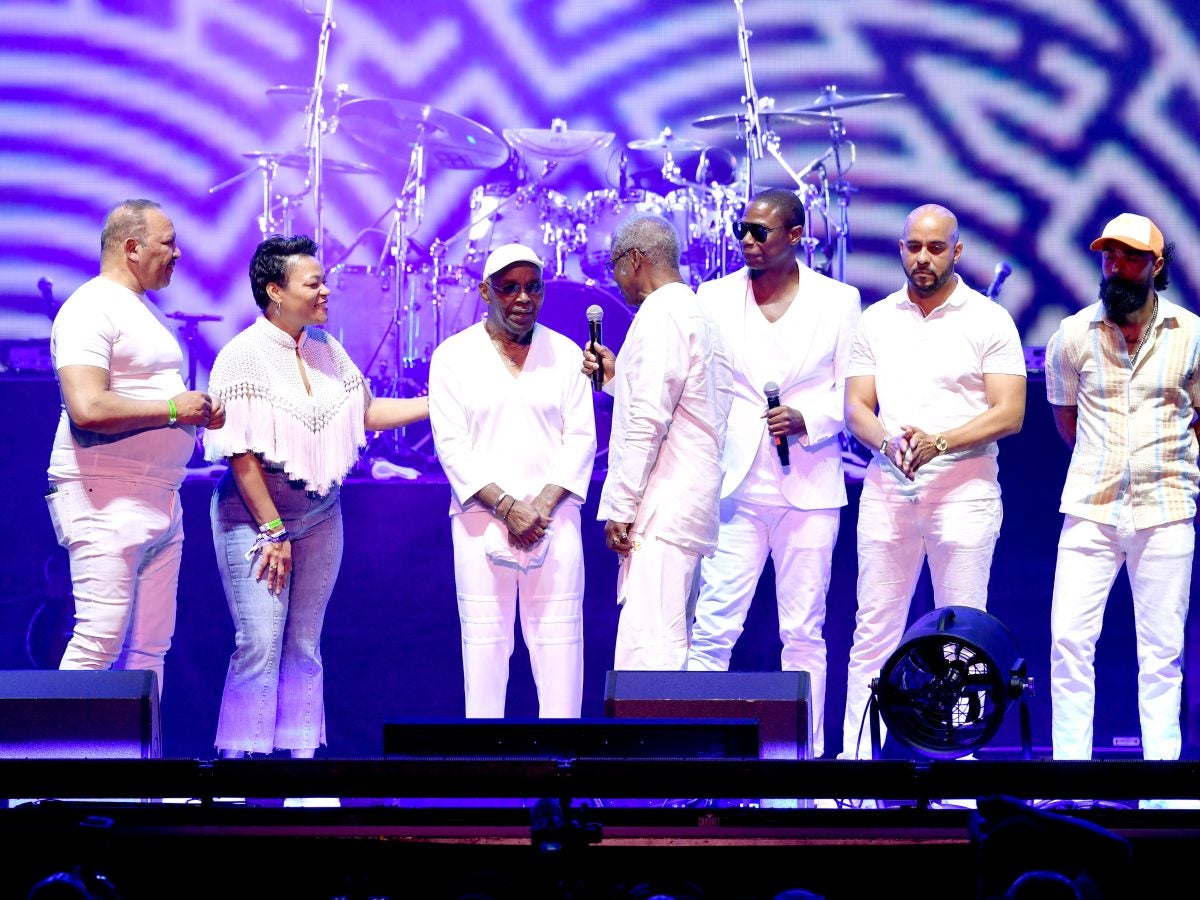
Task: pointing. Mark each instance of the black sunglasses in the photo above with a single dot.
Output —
(754, 229)
(512, 289)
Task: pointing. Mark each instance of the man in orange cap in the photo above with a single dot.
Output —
(1123, 379)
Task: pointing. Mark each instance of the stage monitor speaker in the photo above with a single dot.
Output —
(48, 714)
(778, 701)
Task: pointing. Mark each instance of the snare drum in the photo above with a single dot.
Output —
(597, 216)
(531, 215)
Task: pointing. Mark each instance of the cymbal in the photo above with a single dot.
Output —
(451, 141)
(830, 100)
(666, 141)
(553, 143)
(298, 159)
(770, 120)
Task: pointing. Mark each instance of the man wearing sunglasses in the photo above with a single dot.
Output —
(672, 389)
(785, 324)
(515, 432)
(936, 377)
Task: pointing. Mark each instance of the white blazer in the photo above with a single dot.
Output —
(820, 325)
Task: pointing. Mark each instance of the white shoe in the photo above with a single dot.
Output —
(312, 801)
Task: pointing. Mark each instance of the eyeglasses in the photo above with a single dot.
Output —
(754, 229)
(611, 265)
(511, 289)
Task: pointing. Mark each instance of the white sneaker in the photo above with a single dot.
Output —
(312, 801)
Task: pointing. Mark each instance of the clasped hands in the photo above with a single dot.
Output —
(526, 524)
(910, 449)
(200, 409)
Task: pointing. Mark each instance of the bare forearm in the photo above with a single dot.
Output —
(385, 413)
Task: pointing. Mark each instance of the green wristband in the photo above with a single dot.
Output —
(172, 413)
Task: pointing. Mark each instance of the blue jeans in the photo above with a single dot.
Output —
(274, 688)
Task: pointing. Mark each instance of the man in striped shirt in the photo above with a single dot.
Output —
(1123, 379)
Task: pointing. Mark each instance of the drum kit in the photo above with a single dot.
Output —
(414, 297)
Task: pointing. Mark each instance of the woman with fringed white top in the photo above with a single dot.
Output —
(298, 410)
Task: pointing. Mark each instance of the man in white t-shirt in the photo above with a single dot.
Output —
(127, 430)
(936, 376)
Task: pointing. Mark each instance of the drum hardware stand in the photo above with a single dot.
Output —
(753, 136)
(191, 332)
(407, 213)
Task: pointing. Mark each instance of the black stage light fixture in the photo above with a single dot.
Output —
(945, 690)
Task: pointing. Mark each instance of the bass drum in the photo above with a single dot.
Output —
(500, 214)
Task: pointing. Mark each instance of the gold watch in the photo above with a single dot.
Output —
(941, 443)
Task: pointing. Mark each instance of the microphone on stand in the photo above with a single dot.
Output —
(1003, 270)
(594, 314)
(771, 389)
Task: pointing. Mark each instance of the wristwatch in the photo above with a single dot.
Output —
(941, 443)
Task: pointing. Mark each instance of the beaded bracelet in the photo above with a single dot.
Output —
(263, 539)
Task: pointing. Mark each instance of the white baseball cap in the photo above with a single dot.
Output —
(507, 254)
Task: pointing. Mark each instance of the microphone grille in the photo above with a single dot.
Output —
(771, 389)
(595, 313)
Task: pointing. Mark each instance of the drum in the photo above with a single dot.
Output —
(531, 215)
(597, 216)
(386, 326)
(703, 218)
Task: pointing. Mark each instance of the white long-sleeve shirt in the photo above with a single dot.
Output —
(673, 388)
(521, 433)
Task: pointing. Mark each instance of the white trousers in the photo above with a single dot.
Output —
(800, 543)
(656, 591)
(1158, 562)
(124, 540)
(894, 540)
(551, 610)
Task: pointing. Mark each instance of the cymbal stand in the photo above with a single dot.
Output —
(753, 135)
(315, 125)
(842, 189)
(407, 214)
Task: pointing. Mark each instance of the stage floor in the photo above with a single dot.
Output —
(590, 828)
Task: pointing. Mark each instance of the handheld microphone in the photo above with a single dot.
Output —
(771, 389)
(595, 313)
(1003, 270)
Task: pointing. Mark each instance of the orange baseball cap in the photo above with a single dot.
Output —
(1133, 230)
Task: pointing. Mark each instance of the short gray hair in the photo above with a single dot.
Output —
(650, 233)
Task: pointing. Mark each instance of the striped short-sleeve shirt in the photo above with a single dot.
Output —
(1133, 432)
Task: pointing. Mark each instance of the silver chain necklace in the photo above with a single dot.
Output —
(1145, 331)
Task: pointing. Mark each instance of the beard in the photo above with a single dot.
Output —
(1122, 296)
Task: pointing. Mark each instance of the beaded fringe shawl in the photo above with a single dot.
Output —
(315, 439)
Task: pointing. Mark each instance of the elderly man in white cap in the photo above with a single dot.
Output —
(1122, 379)
(514, 427)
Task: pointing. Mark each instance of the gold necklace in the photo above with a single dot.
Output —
(504, 354)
